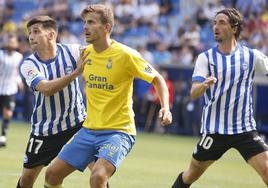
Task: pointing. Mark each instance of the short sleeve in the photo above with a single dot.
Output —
(140, 68)
(75, 50)
(261, 60)
(201, 68)
(31, 74)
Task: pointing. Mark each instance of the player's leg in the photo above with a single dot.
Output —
(78, 154)
(56, 172)
(260, 163)
(40, 151)
(114, 147)
(194, 171)
(254, 150)
(8, 107)
(101, 172)
(208, 149)
(28, 177)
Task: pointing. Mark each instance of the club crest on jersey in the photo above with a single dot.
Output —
(68, 70)
(109, 64)
(32, 73)
(244, 66)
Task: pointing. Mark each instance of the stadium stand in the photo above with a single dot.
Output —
(172, 31)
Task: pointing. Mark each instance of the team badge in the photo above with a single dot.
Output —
(109, 64)
(195, 150)
(25, 159)
(32, 74)
(68, 70)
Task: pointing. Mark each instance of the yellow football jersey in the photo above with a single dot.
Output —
(109, 79)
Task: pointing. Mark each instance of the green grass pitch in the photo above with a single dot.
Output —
(154, 162)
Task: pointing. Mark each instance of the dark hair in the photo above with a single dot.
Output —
(106, 14)
(46, 21)
(235, 19)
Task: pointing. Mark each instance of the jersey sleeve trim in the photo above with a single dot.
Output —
(198, 79)
(36, 81)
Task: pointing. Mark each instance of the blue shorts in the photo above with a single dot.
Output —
(89, 145)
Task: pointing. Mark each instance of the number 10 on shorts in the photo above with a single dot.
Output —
(206, 142)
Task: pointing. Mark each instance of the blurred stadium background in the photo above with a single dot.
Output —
(168, 33)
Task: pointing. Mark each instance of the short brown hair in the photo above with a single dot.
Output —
(46, 21)
(235, 19)
(106, 13)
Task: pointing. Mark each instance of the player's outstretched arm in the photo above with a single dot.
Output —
(163, 94)
(199, 88)
(50, 87)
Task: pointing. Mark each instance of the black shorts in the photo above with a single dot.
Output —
(213, 146)
(7, 101)
(41, 150)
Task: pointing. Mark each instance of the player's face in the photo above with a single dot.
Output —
(222, 29)
(38, 37)
(93, 28)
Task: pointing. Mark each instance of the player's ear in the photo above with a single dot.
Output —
(108, 27)
(52, 35)
(234, 30)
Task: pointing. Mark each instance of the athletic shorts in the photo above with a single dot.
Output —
(89, 145)
(213, 146)
(7, 101)
(41, 150)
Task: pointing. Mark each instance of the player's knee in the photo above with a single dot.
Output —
(265, 175)
(7, 114)
(98, 177)
(51, 176)
(26, 181)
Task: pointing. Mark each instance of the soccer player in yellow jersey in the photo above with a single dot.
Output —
(108, 132)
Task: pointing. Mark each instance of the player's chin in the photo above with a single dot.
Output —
(89, 40)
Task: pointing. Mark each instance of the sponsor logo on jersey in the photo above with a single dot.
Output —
(148, 69)
(244, 66)
(68, 70)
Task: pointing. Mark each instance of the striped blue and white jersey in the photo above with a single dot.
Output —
(64, 109)
(228, 103)
(9, 73)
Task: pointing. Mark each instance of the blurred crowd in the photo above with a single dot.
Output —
(168, 33)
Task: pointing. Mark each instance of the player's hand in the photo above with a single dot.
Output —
(165, 116)
(209, 81)
(81, 61)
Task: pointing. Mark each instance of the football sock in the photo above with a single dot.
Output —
(47, 185)
(5, 126)
(179, 182)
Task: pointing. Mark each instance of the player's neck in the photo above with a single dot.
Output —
(48, 52)
(102, 44)
(226, 47)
